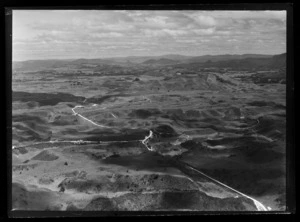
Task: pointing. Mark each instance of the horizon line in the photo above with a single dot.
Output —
(115, 57)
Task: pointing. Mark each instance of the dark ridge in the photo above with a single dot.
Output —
(143, 114)
(31, 126)
(238, 62)
(72, 207)
(115, 138)
(258, 103)
(279, 114)
(267, 125)
(179, 200)
(190, 144)
(45, 156)
(193, 113)
(21, 150)
(236, 141)
(162, 61)
(100, 203)
(130, 135)
(46, 99)
(200, 201)
(279, 106)
(249, 181)
(247, 144)
(257, 155)
(91, 61)
(264, 103)
(127, 144)
(143, 161)
(32, 104)
(233, 112)
(225, 81)
(29, 134)
(27, 118)
(114, 156)
(164, 131)
(226, 57)
(99, 100)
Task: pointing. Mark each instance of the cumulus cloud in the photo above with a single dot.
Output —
(175, 32)
(81, 33)
(204, 20)
(207, 31)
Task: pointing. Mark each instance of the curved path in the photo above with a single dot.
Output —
(77, 114)
(259, 205)
(145, 141)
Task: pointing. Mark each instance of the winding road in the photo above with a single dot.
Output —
(77, 114)
(259, 205)
(145, 142)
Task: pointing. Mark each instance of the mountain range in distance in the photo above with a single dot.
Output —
(227, 60)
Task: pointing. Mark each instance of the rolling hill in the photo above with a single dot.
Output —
(221, 61)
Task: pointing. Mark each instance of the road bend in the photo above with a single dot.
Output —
(81, 116)
(259, 205)
(146, 140)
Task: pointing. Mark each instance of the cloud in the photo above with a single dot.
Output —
(204, 20)
(103, 32)
(175, 32)
(106, 35)
(244, 14)
(207, 31)
(186, 40)
(232, 40)
(159, 21)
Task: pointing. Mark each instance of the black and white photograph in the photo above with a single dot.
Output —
(149, 110)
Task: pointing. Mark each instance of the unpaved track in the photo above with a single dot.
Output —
(146, 140)
(77, 114)
(259, 205)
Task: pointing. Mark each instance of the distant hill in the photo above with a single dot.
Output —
(93, 61)
(162, 61)
(217, 58)
(184, 58)
(35, 65)
(176, 57)
(142, 59)
(279, 60)
(274, 62)
(233, 61)
(252, 62)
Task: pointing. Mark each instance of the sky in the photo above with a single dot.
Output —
(72, 34)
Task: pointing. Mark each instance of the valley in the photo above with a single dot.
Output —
(152, 134)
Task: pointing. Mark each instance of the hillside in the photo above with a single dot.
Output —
(262, 63)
